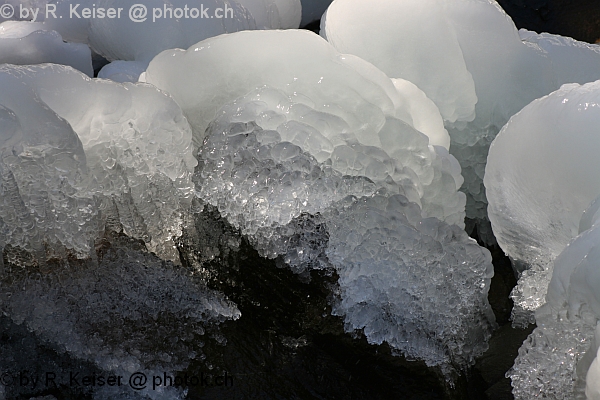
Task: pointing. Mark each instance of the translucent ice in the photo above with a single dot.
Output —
(559, 360)
(540, 178)
(467, 56)
(323, 100)
(28, 43)
(135, 31)
(121, 151)
(315, 156)
(123, 71)
(128, 312)
(416, 283)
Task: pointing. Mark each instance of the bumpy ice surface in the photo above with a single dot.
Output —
(315, 156)
(83, 161)
(110, 148)
(559, 359)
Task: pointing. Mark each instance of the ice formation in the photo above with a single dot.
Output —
(115, 151)
(559, 359)
(137, 32)
(23, 42)
(543, 193)
(83, 161)
(468, 58)
(126, 313)
(316, 157)
(541, 178)
(123, 71)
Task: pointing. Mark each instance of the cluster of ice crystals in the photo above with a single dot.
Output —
(28, 43)
(556, 359)
(323, 166)
(335, 107)
(42, 165)
(121, 152)
(467, 56)
(292, 206)
(541, 178)
(416, 283)
(127, 313)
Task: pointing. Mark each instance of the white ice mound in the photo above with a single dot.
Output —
(541, 178)
(123, 71)
(559, 359)
(25, 42)
(325, 102)
(467, 56)
(390, 36)
(131, 30)
(76, 151)
(315, 157)
(123, 39)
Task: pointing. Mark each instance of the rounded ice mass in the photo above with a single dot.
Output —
(303, 199)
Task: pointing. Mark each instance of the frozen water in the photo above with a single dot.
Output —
(39, 153)
(467, 56)
(123, 71)
(324, 103)
(273, 14)
(540, 178)
(123, 39)
(315, 156)
(122, 151)
(416, 283)
(165, 25)
(380, 245)
(29, 43)
(128, 312)
(560, 357)
(399, 48)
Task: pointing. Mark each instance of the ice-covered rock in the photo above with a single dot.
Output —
(23, 42)
(121, 151)
(541, 178)
(315, 156)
